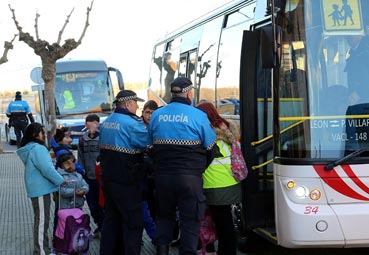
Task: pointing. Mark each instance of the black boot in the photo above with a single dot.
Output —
(162, 249)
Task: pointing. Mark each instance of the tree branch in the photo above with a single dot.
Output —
(19, 28)
(87, 22)
(7, 46)
(25, 37)
(36, 26)
(64, 26)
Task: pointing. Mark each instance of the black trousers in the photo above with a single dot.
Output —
(123, 225)
(227, 238)
(185, 193)
(19, 129)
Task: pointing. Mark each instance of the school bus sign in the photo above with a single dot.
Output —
(342, 17)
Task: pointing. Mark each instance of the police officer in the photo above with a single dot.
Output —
(17, 112)
(182, 141)
(123, 138)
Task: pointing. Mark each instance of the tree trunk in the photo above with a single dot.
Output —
(48, 74)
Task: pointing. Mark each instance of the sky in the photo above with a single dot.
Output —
(122, 33)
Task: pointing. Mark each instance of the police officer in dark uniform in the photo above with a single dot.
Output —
(17, 112)
(123, 138)
(182, 142)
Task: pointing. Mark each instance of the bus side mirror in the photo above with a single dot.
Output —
(270, 57)
(119, 77)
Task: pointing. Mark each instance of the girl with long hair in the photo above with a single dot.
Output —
(220, 187)
(41, 179)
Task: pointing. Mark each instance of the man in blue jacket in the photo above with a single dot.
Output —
(182, 141)
(123, 139)
(17, 112)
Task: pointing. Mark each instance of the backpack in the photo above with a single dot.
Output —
(73, 233)
(239, 168)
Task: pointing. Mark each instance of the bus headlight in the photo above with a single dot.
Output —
(315, 194)
(301, 192)
(289, 184)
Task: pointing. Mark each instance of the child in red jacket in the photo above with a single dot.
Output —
(98, 178)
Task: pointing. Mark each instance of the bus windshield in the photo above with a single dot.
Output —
(324, 79)
(81, 92)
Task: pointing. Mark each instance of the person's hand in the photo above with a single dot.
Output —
(64, 182)
(80, 193)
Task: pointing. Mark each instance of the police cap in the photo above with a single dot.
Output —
(18, 95)
(126, 95)
(181, 85)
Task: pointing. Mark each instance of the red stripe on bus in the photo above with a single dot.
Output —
(354, 178)
(333, 180)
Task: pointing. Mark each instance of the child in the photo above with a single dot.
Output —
(72, 193)
(148, 204)
(98, 178)
(70, 196)
(61, 144)
(88, 150)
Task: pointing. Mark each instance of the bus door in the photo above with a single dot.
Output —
(256, 123)
(187, 68)
(170, 67)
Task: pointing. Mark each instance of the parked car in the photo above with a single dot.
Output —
(229, 106)
(10, 135)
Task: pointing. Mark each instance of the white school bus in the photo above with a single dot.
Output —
(297, 82)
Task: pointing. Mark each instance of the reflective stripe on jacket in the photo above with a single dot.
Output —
(219, 172)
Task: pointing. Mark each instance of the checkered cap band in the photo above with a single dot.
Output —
(125, 99)
(177, 89)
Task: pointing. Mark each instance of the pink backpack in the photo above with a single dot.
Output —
(208, 234)
(239, 168)
(73, 233)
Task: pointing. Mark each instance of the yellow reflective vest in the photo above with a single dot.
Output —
(219, 172)
(68, 98)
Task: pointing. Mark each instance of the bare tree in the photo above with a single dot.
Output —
(7, 46)
(49, 54)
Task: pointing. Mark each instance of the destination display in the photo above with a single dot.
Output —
(353, 129)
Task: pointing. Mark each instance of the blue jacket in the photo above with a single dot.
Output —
(18, 110)
(67, 191)
(123, 131)
(123, 139)
(60, 149)
(40, 176)
(182, 139)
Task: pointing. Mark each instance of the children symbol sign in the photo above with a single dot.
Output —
(342, 17)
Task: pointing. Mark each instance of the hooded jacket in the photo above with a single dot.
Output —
(60, 149)
(40, 176)
(67, 191)
(220, 188)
